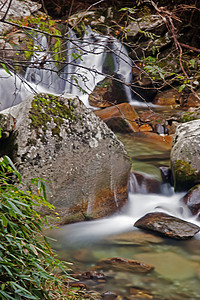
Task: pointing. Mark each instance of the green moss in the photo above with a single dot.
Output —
(48, 108)
(185, 176)
(189, 116)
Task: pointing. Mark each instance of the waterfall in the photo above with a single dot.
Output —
(88, 60)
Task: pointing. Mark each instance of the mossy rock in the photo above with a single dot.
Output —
(185, 176)
(46, 107)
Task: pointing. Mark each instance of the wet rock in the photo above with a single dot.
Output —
(140, 293)
(120, 118)
(157, 122)
(166, 175)
(109, 296)
(144, 184)
(58, 139)
(170, 265)
(123, 264)
(169, 97)
(145, 128)
(167, 225)
(193, 100)
(79, 285)
(185, 156)
(107, 92)
(192, 200)
(97, 276)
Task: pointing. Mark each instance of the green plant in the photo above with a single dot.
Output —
(27, 263)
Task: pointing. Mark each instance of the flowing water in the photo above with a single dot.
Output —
(177, 263)
(88, 60)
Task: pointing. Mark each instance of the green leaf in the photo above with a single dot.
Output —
(9, 162)
(6, 69)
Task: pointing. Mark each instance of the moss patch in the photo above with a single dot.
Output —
(47, 108)
(185, 176)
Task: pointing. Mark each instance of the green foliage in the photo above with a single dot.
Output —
(45, 24)
(26, 260)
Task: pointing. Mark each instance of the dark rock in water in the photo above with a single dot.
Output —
(192, 200)
(141, 183)
(107, 92)
(109, 296)
(167, 225)
(91, 275)
(123, 264)
(166, 175)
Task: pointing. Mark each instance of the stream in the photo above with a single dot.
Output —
(177, 263)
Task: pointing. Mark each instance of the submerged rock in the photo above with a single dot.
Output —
(167, 225)
(135, 237)
(192, 200)
(59, 140)
(123, 264)
(185, 155)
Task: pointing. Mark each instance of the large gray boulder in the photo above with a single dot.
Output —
(185, 155)
(60, 140)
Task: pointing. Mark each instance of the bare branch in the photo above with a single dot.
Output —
(6, 12)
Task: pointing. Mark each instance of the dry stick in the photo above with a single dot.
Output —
(190, 47)
(3, 4)
(70, 11)
(9, 4)
(170, 25)
(94, 4)
(59, 36)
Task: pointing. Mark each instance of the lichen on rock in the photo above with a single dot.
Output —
(59, 140)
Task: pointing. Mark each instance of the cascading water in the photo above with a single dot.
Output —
(88, 61)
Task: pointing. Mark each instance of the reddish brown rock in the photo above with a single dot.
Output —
(192, 200)
(167, 225)
(169, 97)
(192, 100)
(107, 92)
(155, 121)
(145, 128)
(120, 118)
(123, 264)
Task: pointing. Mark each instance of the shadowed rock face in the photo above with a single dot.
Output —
(59, 140)
(167, 225)
(185, 155)
(192, 200)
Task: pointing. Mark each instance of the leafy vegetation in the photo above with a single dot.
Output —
(27, 263)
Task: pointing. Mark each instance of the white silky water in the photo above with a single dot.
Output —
(88, 60)
(176, 263)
